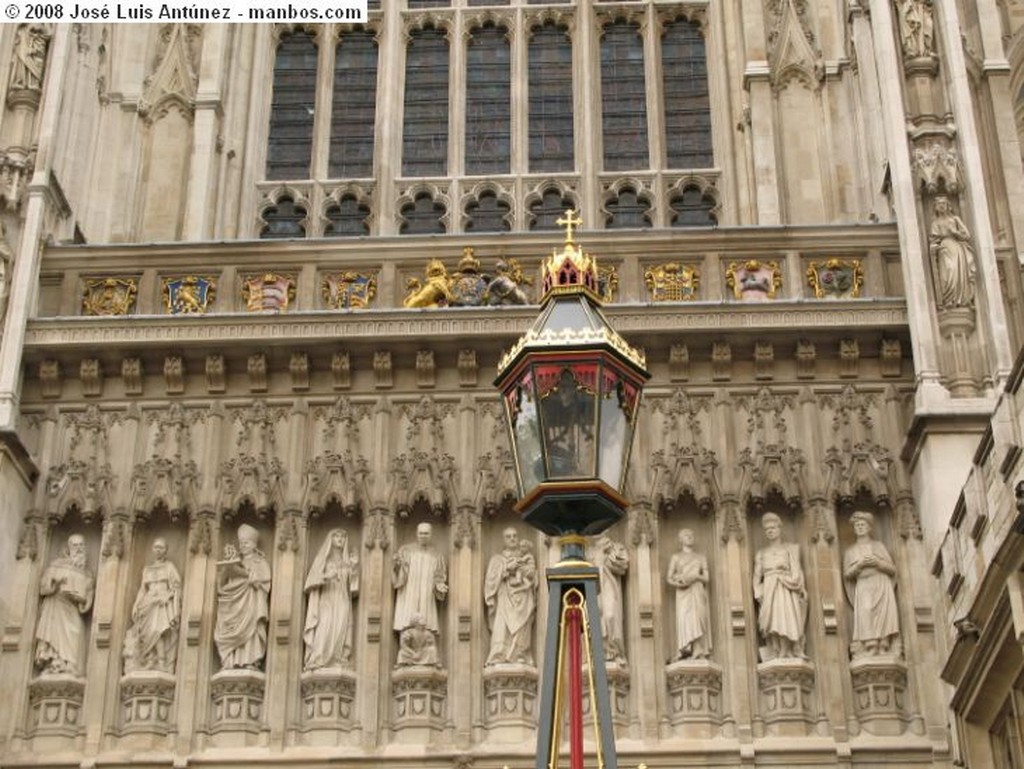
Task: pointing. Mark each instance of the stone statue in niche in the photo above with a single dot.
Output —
(510, 596)
(30, 45)
(612, 561)
(420, 577)
(949, 242)
(781, 594)
(688, 574)
(67, 588)
(243, 600)
(870, 574)
(6, 261)
(332, 582)
(151, 642)
(917, 28)
(417, 645)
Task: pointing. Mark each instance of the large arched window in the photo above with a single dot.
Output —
(551, 113)
(687, 102)
(425, 132)
(623, 97)
(290, 144)
(353, 106)
(488, 101)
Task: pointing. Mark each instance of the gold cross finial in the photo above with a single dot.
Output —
(570, 220)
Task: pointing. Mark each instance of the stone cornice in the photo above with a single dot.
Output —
(462, 324)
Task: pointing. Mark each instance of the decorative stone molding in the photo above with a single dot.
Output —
(50, 378)
(695, 697)
(672, 282)
(425, 368)
(237, 696)
(678, 363)
(806, 355)
(341, 370)
(753, 280)
(298, 368)
(618, 693)
(879, 694)
(764, 360)
(174, 81)
(109, 296)
(890, 358)
(215, 374)
(17, 165)
(419, 698)
(721, 362)
(174, 374)
(792, 49)
(937, 166)
(147, 697)
(510, 695)
(849, 358)
(468, 368)
(835, 278)
(335, 479)
(131, 375)
(55, 705)
(328, 698)
(382, 376)
(91, 375)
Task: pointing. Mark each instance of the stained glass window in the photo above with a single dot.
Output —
(487, 214)
(422, 216)
(623, 97)
(290, 143)
(425, 135)
(691, 208)
(284, 220)
(347, 218)
(687, 103)
(353, 109)
(488, 101)
(551, 206)
(551, 99)
(628, 210)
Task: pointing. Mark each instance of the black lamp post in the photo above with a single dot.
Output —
(571, 387)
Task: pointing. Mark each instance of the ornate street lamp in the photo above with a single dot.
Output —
(571, 387)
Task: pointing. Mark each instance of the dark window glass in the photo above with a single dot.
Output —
(422, 216)
(425, 136)
(548, 209)
(487, 214)
(488, 102)
(429, 3)
(687, 104)
(472, 3)
(284, 220)
(347, 218)
(628, 210)
(692, 209)
(353, 108)
(290, 143)
(623, 97)
(551, 99)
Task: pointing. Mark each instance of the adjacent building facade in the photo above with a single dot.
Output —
(256, 493)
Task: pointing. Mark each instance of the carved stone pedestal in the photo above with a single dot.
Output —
(146, 700)
(327, 697)
(879, 689)
(237, 700)
(695, 697)
(510, 701)
(420, 695)
(618, 693)
(55, 705)
(956, 325)
(786, 686)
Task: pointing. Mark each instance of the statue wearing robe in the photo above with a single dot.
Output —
(332, 581)
(950, 245)
(420, 578)
(243, 600)
(688, 574)
(67, 589)
(780, 591)
(612, 562)
(869, 571)
(151, 642)
(510, 596)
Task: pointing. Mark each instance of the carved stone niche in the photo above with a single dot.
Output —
(146, 700)
(510, 701)
(419, 696)
(328, 696)
(618, 691)
(695, 697)
(786, 686)
(55, 705)
(879, 694)
(237, 695)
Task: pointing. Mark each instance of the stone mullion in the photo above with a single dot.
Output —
(644, 590)
(200, 205)
(326, 40)
(975, 194)
(737, 651)
(465, 705)
(651, 30)
(761, 118)
(586, 50)
(388, 141)
(254, 160)
(519, 39)
(458, 40)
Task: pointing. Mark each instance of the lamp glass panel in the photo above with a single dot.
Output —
(615, 430)
(567, 414)
(526, 438)
(567, 315)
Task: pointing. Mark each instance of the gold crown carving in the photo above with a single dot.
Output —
(571, 270)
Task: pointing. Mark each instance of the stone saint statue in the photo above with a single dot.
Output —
(67, 589)
(510, 596)
(612, 561)
(688, 574)
(243, 599)
(332, 581)
(420, 577)
(949, 242)
(30, 44)
(917, 28)
(870, 575)
(780, 591)
(417, 645)
(151, 642)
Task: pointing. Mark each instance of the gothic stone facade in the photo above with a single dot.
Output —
(807, 214)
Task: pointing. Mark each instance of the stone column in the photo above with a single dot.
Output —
(201, 199)
(761, 116)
